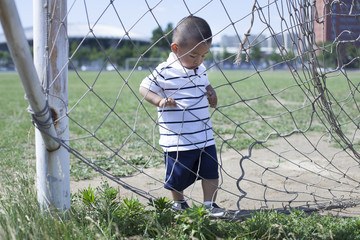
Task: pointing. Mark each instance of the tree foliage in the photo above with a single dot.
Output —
(352, 54)
(160, 41)
(162, 38)
(327, 56)
(255, 53)
(93, 51)
(5, 59)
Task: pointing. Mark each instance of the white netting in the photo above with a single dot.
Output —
(286, 125)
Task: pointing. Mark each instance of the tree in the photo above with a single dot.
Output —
(5, 59)
(227, 58)
(162, 40)
(275, 57)
(351, 56)
(81, 55)
(327, 57)
(120, 54)
(88, 52)
(165, 37)
(289, 56)
(255, 53)
(96, 54)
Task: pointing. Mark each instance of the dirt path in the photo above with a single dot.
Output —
(298, 170)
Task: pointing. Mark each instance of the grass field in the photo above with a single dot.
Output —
(251, 107)
(112, 113)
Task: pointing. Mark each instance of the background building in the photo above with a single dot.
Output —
(95, 45)
(337, 20)
(337, 31)
(267, 44)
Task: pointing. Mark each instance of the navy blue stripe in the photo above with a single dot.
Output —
(167, 67)
(187, 77)
(159, 73)
(152, 80)
(184, 145)
(181, 134)
(182, 88)
(182, 110)
(197, 120)
(201, 96)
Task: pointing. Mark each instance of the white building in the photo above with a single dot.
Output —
(267, 43)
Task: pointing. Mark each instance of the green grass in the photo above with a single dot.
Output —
(17, 131)
(127, 127)
(99, 213)
(251, 107)
(257, 105)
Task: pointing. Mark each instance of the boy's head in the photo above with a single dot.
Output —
(191, 41)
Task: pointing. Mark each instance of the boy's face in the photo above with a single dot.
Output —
(189, 56)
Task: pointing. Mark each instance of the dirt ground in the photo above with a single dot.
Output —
(298, 171)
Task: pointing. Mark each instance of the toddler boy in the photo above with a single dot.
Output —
(182, 92)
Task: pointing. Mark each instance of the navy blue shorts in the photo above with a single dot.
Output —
(183, 168)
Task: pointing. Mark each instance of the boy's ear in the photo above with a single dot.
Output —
(174, 48)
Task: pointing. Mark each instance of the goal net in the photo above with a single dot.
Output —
(287, 122)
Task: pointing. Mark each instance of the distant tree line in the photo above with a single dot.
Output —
(100, 50)
(333, 55)
(5, 59)
(159, 47)
(256, 57)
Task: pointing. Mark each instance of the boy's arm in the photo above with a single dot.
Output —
(211, 96)
(155, 99)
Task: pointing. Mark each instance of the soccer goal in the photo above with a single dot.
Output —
(286, 126)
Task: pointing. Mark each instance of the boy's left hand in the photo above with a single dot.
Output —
(211, 96)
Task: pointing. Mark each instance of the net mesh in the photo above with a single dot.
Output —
(287, 122)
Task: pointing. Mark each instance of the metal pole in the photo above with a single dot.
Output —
(50, 57)
(21, 55)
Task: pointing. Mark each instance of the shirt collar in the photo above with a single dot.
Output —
(174, 62)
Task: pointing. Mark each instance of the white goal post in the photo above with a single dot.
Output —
(44, 84)
(50, 57)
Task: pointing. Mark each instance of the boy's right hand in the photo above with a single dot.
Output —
(167, 102)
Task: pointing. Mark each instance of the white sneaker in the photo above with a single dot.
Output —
(215, 210)
(180, 206)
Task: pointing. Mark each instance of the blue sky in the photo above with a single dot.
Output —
(134, 15)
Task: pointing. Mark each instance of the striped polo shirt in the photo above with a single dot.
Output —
(188, 125)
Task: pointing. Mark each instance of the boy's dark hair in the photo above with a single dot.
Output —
(191, 28)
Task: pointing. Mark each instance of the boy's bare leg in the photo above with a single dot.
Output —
(210, 187)
(177, 196)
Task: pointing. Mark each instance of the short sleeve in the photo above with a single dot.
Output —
(204, 77)
(207, 82)
(152, 83)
